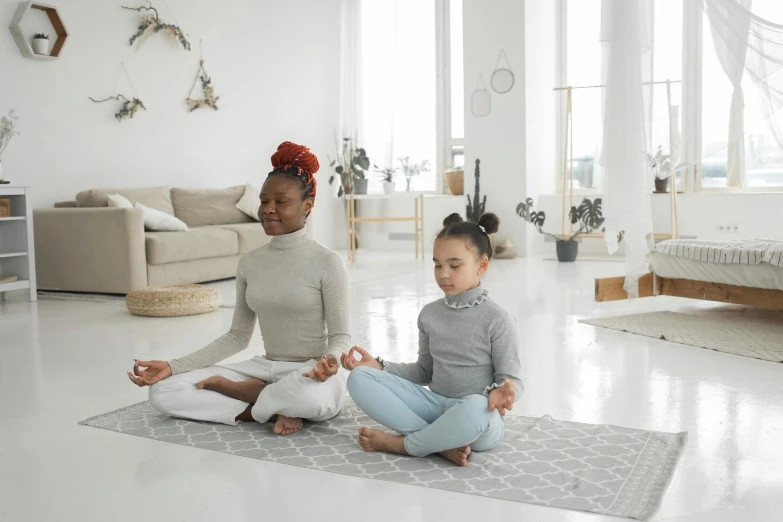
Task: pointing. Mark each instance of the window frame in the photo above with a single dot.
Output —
(696, 50)
(444, 140)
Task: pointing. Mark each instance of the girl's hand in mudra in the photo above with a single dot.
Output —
(502, 398)
(323, 369)
(350, 362)
(154, 371)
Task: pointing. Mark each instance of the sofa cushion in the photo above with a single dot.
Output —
(251, 235)
(196, 243)
(203, 207)
(158, 198)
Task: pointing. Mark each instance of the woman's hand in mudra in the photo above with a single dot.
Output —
(323, 369)
(350, 362)
(154, 371)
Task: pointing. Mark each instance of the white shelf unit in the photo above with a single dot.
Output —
(17, 248)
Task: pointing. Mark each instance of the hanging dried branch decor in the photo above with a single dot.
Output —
(151, 24)
(128, 107)
(209, 99)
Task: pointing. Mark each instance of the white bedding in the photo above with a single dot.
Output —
(727, 252)
(762, 275)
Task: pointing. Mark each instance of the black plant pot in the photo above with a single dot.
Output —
(360, 186)
(566, 251)
(661, 186)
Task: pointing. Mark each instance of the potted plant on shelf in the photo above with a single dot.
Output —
(351, 165)
(387, 177)
(455, 179)
(41, 43)
(588, 215)
(411, 170)
(7, 131)
(660, 164)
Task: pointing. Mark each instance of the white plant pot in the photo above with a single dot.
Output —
(41, 46)
(1, 171)
(389, 187)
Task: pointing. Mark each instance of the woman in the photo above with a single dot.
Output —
(298, 289)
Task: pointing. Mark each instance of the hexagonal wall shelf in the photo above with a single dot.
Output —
(24, 43)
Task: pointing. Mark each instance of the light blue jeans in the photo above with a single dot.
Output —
(430, 422)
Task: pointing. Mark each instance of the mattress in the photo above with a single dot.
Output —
(704, 262)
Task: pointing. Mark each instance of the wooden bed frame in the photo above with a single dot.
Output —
(611, 289)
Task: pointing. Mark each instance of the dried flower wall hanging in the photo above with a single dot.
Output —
(151, 24)
(128, 107)
(209, 99)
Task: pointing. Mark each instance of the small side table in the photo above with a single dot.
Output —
(17, 247)
(417, 218)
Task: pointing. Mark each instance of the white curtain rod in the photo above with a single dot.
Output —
(602, 86)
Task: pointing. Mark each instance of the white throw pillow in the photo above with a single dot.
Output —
(160, 221)
(115, 200)
(250, 201)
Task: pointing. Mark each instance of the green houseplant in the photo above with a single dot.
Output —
(411, 169)
(588, 215)
(659, 165)
(351, 164)
(41, 43)
(7, 132)
(387, 177)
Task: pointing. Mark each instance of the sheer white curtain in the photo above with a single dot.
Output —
(397, 115)
(350, 68)
(625, 35)
(730, 26)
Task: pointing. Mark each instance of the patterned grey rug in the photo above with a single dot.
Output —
(748, 335)
(597, 468)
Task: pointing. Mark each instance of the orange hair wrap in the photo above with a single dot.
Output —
(290, 155)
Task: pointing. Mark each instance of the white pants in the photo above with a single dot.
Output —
(286, 393)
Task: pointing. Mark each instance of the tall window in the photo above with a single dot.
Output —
(399, 87)
(763, 155)
(455, 141)
(583, 68)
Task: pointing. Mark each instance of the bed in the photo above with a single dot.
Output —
(747, 272)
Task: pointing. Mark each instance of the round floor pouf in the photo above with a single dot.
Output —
(173, 301)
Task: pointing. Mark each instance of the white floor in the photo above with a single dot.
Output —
(63, 361)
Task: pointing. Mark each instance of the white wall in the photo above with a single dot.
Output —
(498, 140)
(275, 66)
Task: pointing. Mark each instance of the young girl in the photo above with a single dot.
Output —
(468, 356)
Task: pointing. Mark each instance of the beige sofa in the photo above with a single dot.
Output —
(86, 246)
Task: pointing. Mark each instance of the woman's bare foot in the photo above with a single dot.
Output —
(287, 425)
(458, 456)
(245, 391)
(376, 440)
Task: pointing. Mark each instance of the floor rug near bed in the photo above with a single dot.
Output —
(737, 334)
(597, 468)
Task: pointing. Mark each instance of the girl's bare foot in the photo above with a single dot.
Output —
(376, 440)
(286, 425)
(458, 456)
(245, 391)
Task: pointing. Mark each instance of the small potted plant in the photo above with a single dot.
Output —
(588, 215)
(387, 177)
(41, 43)
(350, 165)
(7, 131)
(411, 170)
(659, 165)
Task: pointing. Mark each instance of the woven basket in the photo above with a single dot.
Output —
(456, 182)
(173, 301)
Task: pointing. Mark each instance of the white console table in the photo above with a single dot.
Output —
(417, 218)
(17, 248)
